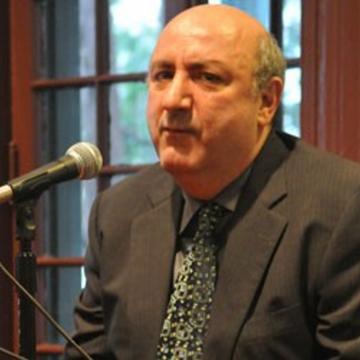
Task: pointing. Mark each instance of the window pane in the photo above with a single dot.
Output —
(65, 38)
(260, 9)
(130, 139)
(133, 30)
(291, 28)
(291, 101)
(60, 291)
(66, 117)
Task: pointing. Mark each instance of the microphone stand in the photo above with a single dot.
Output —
(26, 274)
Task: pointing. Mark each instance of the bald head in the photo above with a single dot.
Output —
(236, 29)
(224, 19)
(224, 22)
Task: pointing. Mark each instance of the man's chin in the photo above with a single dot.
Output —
(176, 166)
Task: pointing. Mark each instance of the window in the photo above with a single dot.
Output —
(91, 62)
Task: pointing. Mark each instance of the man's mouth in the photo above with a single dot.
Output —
(176, 130)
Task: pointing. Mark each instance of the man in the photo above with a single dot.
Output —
(287, 274)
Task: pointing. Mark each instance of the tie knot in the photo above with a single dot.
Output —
(209, 217)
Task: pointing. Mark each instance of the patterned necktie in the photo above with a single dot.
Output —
(188, 312)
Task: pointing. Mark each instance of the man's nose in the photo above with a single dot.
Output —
(178, 94)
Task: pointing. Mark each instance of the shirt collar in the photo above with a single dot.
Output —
(228, 198)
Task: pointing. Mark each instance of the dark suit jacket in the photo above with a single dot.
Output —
(289, 281)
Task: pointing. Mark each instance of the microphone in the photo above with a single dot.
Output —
(82, 160)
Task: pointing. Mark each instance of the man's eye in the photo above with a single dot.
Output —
(162, 75)
(210, 77)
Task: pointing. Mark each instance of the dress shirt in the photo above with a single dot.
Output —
(228, 198)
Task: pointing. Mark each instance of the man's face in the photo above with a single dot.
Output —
(202, 110)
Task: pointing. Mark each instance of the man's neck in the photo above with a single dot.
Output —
(206, 184)
(205, 187)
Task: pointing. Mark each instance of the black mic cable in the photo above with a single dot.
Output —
(11, 355)
(44, 312)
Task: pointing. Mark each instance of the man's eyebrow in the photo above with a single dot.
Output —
(163, 64)
(205, 63)
(194, 64)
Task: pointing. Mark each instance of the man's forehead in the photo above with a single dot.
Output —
(207, 48)
(201, 55)
(188, 30)
(200, 35)
(202, 27)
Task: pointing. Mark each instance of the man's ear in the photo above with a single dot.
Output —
(270, 98)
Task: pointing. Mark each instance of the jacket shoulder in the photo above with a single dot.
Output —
(150, 185)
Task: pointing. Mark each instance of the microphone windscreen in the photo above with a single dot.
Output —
(88, 159)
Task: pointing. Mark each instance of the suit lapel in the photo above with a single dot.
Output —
(153, 238)
(248, 252)
(251, 241)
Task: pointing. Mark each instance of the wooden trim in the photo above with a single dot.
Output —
(49, 349)
(293, 63)
(22, 119)
(331, 81)
(102, 91)
(7, 298)
(44, 84)
(348, 81)
(276, 23)
(309, 64)
(339, 81)
(22, 72)
(51, 261)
